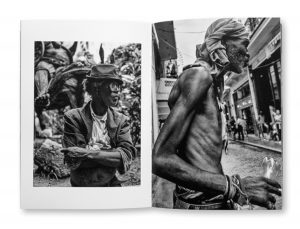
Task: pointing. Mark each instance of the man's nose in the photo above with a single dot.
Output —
(247, 58)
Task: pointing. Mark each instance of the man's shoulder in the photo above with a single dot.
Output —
(199, 64)
(202, 70)
(195, 78)
(118, 115)
(197, 74)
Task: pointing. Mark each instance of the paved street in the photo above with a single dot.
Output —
(242, 159)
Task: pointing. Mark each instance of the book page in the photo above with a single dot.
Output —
(85, 125)
(217, 124)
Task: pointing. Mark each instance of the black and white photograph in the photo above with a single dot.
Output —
(125, 114)
(217, 114)
(87, 114)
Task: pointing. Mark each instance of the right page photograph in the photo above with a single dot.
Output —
(217, 114)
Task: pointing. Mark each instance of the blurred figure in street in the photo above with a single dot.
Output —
(225, 140)
(261, 124)
(240, 129)
(244, 125)
(277, 120)
(233, 127)
(224, 129)
(273, 132)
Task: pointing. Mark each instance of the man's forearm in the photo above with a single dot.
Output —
(110, 158)
(90, 158)
(175, 169)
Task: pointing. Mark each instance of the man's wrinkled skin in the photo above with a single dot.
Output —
(189, 146)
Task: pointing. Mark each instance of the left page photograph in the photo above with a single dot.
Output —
(82, 135)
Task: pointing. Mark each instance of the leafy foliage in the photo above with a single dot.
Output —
(128, 59)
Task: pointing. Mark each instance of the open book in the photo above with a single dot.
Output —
(177, 114)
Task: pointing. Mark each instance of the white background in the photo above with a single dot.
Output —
(83, 198)
(11, 12)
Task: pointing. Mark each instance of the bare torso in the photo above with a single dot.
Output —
(188, 148)
(202, 144)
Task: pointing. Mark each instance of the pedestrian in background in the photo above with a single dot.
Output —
(224, 131)
(240, 129)
(277, 120)
(233, 128)
(244, 125)
(273, 132)
(261, 124)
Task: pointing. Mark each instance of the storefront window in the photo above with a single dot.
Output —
(242, 92)
(170, 69)
(239, 94)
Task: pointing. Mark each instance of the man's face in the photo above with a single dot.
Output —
(108, 92)
(237, 53)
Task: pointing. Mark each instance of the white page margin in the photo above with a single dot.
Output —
(83, 198)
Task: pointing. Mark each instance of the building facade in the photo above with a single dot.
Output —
(265, 66)
(258, 88)
(240, 100)
(164, 71)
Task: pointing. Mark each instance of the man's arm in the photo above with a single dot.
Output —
(110, 158)
(119, 157)
(74, 142)
(194, 84)
(122, 156)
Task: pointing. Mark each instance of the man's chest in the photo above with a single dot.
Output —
(100, 137)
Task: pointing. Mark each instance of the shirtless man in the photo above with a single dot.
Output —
(188, 149)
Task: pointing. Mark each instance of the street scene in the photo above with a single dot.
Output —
(249, 102)
(87, 103)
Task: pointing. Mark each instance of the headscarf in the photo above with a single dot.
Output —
(216, 32)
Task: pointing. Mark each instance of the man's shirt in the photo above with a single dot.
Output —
(79, 130)
(99, 138)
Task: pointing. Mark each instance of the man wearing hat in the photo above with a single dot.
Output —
(97, 138)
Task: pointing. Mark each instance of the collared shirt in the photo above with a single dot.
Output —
(78, 128)
(99, 138)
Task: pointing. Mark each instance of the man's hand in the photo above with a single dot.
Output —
(74, 156)
(271, 168)
(260, 190)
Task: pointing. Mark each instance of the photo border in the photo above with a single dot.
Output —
(82, 197)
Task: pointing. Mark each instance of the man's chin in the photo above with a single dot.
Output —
(237, 69)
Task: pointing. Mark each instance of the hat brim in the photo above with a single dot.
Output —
(106, 78)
